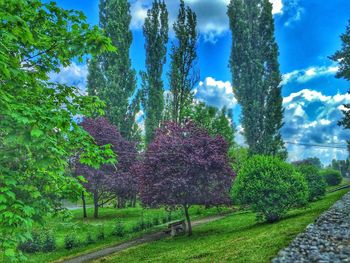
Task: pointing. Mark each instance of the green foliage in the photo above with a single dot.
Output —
(48, 242)
(315, 181)
(33, 244)
(119, 229)
(183, 73)
(341, 165)
(89, 239)
(101, 233)
(111, 77)
(270, 187)
(314, 161)
(214, 121)
(155, 221)
(256, 76)
(237, 157)
(155, 30)
(332, 177)
(342, 58)
(37, 132)
(71, 241)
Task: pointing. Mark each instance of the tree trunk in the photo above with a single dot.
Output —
(134, 200)
(118, 202)
(84, 204)
(95, 204)
(189, 226)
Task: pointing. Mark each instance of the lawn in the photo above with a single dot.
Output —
(236, 238)
(130, 217)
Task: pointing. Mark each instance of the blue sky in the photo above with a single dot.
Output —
(307, 32)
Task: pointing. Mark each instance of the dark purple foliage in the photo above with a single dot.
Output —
(185, 166)
(110, 180)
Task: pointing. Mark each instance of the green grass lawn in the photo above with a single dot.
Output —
(81, 227)
(236, 238)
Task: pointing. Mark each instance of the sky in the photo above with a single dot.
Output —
(307, 32)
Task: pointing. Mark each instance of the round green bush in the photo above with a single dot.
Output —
(71, 241)
(315, 181)
(332, 177)
(270, 187)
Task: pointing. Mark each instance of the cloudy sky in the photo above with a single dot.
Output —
(307, 32)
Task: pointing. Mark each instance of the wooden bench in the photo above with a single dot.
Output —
(176, 227)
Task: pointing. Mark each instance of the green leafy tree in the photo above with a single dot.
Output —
(270, 187)
(341, 165)
(155, 31)
(183, 72)
(342, 57)
(315, 181)
(314, 161)
(332, 177)
(111, 77)
(38, 134)
(256, 76)
(214, 121)
(238, 156)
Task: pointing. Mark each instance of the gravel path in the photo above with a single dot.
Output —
(145, 239)
(326, 240)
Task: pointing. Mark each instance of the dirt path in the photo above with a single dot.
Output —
(141, 240)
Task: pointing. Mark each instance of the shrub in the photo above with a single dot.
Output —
(164, 220)
(148, 223)
(89, 239)
(169, 218)
(49, 242)
(119, 230)
(32, 245)
(71, 241)
(332, 177)
(269, 187)
(315, 181)
(155, 221)
(136, 228)
(101, 233)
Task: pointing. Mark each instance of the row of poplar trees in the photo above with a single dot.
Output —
(113, 80)
(254, 65)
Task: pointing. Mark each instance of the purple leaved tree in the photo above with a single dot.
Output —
(185, 166)
(110, 181)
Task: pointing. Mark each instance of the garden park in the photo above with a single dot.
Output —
(82, 178)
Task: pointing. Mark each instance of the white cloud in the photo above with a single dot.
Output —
(305, 75)
(293, 12)
(215, 93)
(311, 117)
(277, 6)
(73, 75)
(211, 15)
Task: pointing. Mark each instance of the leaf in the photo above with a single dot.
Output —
(36, 133)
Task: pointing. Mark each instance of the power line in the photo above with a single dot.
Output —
(344, 147)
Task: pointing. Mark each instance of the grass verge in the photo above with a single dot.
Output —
(130, 217)
(236, 238)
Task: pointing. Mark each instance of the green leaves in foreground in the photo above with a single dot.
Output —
(38, 134)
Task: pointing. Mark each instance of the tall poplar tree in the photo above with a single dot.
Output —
(342, 57)
(183, 73)
(110, 75)
(155, 30)
(256, 76)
